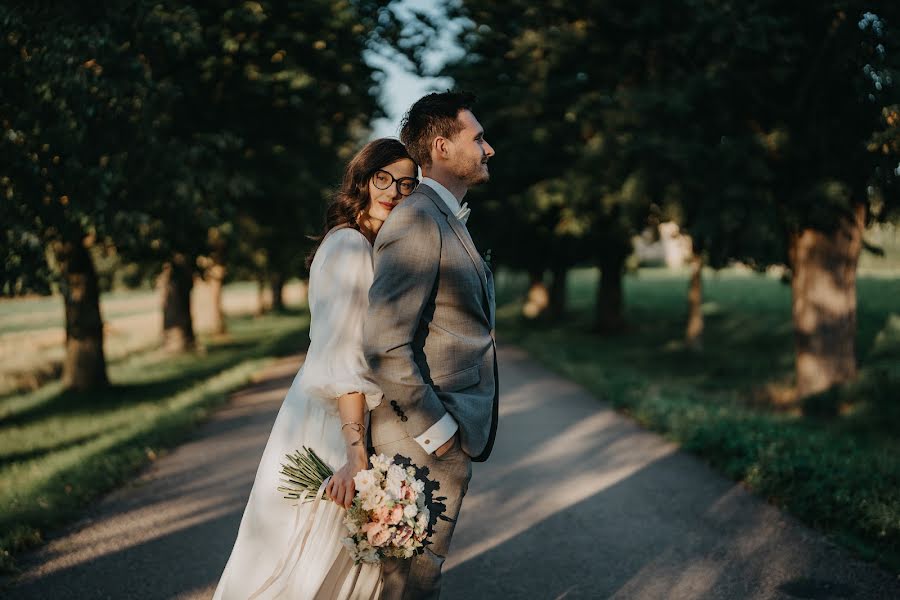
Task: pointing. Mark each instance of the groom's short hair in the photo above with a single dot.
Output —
(432, 116)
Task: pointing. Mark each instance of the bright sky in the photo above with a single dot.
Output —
(402, 87)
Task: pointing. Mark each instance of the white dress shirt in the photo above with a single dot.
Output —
(436, 435)
(461, 212)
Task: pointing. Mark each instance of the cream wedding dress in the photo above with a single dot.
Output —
(290, 550)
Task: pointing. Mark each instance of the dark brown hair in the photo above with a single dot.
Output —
(352, 198)
(434, 115)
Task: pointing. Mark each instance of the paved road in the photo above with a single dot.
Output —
(576, 502)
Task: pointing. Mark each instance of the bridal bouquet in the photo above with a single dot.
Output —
(388, 517)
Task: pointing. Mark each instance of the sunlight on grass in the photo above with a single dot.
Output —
(59, 450)
(841, 474)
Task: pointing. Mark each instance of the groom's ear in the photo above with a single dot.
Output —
(440, 148)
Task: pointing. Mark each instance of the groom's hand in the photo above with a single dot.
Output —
(445, 447)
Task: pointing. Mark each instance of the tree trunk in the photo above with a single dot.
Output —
(85, 362)
(610, 302)
(557, 307)
(277, 292)
(260, 297)
(823, 304)
(693, 335)
(216, 276)
(538, 297)
(178, 327)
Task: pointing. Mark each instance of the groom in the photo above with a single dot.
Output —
(429, 332)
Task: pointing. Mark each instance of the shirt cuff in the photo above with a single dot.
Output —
(438, 434)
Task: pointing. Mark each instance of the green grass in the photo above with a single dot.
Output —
(838, 474)
(47, 312)
(60, 450)
(31, 329)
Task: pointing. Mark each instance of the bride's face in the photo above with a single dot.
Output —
(388, 186)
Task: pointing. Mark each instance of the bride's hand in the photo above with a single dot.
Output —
(341, 489)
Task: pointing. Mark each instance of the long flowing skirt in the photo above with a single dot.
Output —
(290, 549)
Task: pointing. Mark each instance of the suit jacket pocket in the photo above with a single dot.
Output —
(459, 380)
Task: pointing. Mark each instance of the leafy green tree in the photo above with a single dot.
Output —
(776, 142)
(160, 128)
(768, 129)
(288, 83)
(67, 112)
(561, 181)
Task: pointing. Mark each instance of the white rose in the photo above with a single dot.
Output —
(410, 511)
(380, 462)
(374, 498)
(393, 489)
(396, 473)
(418, 485)
(364, 480)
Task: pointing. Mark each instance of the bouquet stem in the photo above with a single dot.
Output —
(304, 474)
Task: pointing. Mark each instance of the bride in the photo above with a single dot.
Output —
(285, 550)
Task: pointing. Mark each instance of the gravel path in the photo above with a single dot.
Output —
(576, 502)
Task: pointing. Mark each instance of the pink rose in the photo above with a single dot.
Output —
(404, 533)
(379, 536)
(408, 493)
(382, 514)
(376, 533)
(396, 515)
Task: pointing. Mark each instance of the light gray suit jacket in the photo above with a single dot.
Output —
(428, 336)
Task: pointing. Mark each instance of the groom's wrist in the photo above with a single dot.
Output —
(438, 434)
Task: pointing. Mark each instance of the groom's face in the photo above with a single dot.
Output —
(470, 152)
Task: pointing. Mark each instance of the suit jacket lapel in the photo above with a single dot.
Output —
(460, 230)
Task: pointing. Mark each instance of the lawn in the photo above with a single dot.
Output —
(61, 450)
(32, 330)
(725, 403)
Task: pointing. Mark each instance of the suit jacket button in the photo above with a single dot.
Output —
(404, 418)
(427, 442)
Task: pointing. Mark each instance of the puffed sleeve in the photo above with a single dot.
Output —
(340, 277)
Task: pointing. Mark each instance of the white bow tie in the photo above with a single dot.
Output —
(463, 213)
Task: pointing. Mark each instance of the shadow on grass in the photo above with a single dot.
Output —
(99, 473)
(164, 375)
(736, 355)
(70, 403)
(839, 473)
(115, 453)
(37, 453)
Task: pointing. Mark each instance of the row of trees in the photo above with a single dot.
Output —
(184, 136)
(769, 130)
(179, 136)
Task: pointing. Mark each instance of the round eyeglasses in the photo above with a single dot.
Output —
(405, 185)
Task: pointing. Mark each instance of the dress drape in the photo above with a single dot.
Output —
(290, 549)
